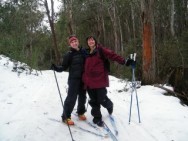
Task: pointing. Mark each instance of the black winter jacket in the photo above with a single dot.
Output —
(74, 61)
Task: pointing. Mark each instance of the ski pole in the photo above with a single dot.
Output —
(130, 108)
(87, 104)
(133, 56)
(62, 103)
(136, 95)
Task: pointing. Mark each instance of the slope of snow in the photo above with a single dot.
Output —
(30, 106)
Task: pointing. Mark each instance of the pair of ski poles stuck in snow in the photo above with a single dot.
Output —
(133, 86)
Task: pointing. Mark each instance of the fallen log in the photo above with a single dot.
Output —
(170, 91)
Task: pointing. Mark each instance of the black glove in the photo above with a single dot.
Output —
(56, 68)
(129, 62)
(53, 67)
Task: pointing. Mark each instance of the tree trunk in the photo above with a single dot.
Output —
(121, 36)
(51, 21)
(172, 19)
(133, 24)
(71, 28)
(98, 29)
(103, 23)
(148, 72)
(113, 17)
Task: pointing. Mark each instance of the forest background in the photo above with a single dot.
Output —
(157, 30)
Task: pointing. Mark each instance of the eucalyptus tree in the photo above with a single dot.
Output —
(148, 58)
(51, 16)
(20, 22)
(20, 19)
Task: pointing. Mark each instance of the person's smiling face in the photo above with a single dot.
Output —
(91, 43)
(74, 44)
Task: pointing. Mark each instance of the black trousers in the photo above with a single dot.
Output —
(98, 97)
(75, 90)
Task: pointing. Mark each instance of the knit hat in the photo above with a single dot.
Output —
(71, 38)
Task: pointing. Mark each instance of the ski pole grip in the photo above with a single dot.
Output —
(134, 58)
(131, 56)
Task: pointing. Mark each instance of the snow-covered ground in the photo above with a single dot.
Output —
(30, 106)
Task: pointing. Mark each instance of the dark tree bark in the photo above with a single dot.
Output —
(51, 22)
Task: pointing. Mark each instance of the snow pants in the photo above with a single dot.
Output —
(75, 90)
(98, 97)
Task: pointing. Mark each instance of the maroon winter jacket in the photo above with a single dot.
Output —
(95, 75)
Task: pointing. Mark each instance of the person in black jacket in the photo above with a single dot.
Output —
(74, 60)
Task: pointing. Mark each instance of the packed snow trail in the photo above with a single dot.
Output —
(27, 102)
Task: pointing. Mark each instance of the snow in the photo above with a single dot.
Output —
(30, 106)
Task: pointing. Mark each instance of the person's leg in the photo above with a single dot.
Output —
(70, 99)
(81, 100)
(95, 106)
(104, 100)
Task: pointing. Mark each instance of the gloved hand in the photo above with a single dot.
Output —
(56, 68)
(53, 67)
(129, 61)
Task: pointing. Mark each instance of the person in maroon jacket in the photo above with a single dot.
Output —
(95, 78)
